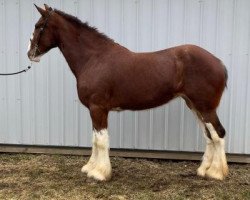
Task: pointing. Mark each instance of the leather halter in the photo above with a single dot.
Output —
(40, 34)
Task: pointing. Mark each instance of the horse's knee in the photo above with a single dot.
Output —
(99, 117)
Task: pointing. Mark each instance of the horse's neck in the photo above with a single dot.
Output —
(78, 46)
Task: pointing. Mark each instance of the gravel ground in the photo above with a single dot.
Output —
(27, 176)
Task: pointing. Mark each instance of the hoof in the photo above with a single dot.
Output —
(100, 173)
(217, 173)
(201, 171)
(88, 167)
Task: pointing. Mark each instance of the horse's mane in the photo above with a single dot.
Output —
(81, 24)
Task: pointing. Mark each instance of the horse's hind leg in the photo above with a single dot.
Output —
(218, 168)
(209, 152)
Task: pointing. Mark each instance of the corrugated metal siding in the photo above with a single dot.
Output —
(41, 107)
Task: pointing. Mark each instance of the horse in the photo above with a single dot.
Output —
(112, 78)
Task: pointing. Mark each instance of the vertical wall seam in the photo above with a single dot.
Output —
(48, 99)
(216, 27)
(166, 108)
(122, 40)
(151, 112)
(19, 85)
(49, 102)
(107, 16)
(32, 135)
(247, 114)
(76, 101)
(34, 96)
(201, 24)
(92, 11)
(63, 94)
(6, 82)
(5, 68)
(137, 48)
(182, 103)
(231, 137)
(247, 92)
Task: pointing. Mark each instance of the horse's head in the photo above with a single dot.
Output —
(43, 38)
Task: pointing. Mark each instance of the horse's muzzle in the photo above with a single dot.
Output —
(32, 57)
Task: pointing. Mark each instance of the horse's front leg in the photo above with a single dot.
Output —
(93, 158)
(99, 166)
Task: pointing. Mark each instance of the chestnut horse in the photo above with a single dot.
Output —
(111, 77)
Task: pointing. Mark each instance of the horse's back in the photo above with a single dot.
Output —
(159, 76)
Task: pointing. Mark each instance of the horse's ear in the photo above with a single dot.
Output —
(40, 10)
(47, 7)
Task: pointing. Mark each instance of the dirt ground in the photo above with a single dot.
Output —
(26, 176)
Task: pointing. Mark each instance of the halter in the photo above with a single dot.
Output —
(41, 32)
(36, 46)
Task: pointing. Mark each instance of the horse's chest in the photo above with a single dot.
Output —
(84, 93)
(92, 93)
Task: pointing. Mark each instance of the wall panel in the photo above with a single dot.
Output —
(41, 107)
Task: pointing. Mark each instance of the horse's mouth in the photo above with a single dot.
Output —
(35, 58)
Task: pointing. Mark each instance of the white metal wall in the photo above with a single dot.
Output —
(41, 107)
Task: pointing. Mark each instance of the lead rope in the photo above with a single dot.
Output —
(36, 48)
(24, 70)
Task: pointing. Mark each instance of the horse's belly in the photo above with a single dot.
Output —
(151, 99)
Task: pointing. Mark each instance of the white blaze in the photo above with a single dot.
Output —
(29, 45)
